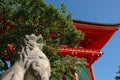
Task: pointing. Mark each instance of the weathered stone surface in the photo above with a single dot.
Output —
(31, 63)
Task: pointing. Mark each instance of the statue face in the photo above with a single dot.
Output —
(34, 41)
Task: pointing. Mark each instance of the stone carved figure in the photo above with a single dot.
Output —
(31, 63)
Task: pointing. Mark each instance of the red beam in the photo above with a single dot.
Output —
(90, 55)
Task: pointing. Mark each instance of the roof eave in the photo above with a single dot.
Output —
(97, 24)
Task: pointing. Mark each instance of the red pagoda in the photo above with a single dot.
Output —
(96, 36)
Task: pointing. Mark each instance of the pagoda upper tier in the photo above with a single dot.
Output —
(96, 34)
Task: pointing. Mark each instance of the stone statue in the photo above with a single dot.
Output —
(31, 63)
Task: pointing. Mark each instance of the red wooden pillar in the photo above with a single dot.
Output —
(92, 72)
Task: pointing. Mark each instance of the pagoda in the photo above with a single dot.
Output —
(96, 36)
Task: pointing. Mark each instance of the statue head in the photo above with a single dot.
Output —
(32, 41)
(39, 66)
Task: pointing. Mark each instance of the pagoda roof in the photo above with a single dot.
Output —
(96, 34)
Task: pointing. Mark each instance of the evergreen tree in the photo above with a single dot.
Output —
(118, 77)
(21, 17)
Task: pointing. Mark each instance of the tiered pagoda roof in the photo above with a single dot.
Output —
(96, 36)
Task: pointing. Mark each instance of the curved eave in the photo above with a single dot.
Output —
(96, 24)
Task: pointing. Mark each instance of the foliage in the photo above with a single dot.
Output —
(118, 77)
(20, 17)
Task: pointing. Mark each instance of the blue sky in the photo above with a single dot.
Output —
(101, 11)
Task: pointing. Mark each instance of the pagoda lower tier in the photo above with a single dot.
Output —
(90, 55)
